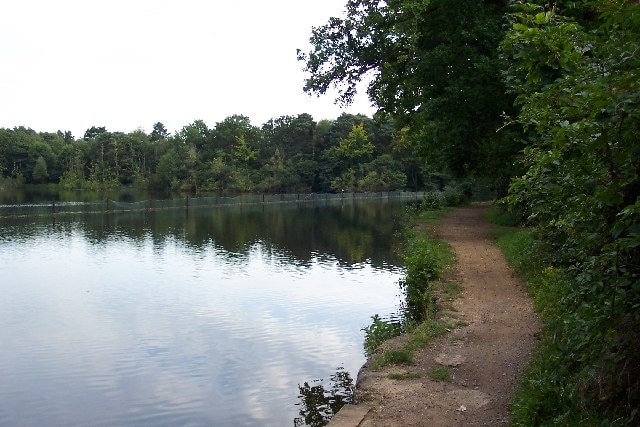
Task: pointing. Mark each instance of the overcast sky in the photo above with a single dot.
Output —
(126, 64)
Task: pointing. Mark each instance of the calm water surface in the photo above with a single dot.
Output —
(211, 317)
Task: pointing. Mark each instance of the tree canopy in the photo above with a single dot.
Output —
(286, 154)
(433, 67)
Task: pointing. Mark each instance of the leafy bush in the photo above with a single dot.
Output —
(425, 259)
(574, 70)
(432, 201)
(455, 197)
(573, 363)
(377, 332)
(500, 216)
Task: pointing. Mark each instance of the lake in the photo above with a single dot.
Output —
(212, 316)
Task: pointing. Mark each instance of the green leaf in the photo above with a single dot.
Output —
(540, 18)
(520, 27)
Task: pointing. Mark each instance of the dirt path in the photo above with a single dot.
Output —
(486, 355)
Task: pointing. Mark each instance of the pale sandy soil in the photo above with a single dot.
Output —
(485, 355)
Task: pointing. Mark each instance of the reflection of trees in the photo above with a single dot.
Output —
(352, 232)
(318, 405)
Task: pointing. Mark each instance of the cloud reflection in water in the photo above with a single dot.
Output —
(120, 330)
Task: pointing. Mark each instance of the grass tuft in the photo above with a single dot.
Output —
(425, 332)
(378, 332)
(401, 356)
(450, 289)
(440, 374)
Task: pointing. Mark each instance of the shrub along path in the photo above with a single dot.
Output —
(485, 354)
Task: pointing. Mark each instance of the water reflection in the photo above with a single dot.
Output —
(319, 404)
(164, 319)
(351, 231)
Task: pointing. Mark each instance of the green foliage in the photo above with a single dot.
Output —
(93, 132)
(575, 73)
(440, 374)
(382, 180)
(517, 244)
(71, 180)
(356, 145)
(159, 132)
(433, 201)
(545, 394)
(420, 335)
(433, 66)
(377, 332)
(450, 197)
(392, 357)
(425, 260)
(169, 170)
(423, 333)
(502, 217)
(288, 154)
(382, 174)
(40, 173)
(242, 152)
(567, 371)
(455, 197)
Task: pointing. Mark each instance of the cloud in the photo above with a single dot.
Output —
(73, 64)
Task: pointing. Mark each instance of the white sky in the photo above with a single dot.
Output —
(126, 64)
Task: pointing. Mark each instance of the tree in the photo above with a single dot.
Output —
(159, 132)
(94, 131)
(67, 136)
(242, 152)
(196, 134)
(231, 128)
(348, 157)
(171, 170)
(291, 135)
(40, 173)
(343, 125)
(244, 158)
(382, 174)
(102, 157)
(274, 174)
(434, 68)
(356, 146)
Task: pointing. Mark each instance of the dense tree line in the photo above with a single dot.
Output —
(544, 98)
(286, 154)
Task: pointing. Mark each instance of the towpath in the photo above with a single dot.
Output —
(485, 354)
